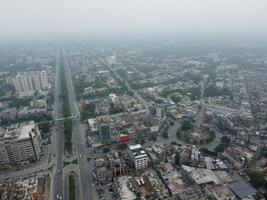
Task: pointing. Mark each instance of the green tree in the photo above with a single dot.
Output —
(178, 134)
(165, 134)
(122, 146)
(256, 178)
(177, 159)
(176, 98)
(186, 125)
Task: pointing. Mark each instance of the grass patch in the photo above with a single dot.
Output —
(66, 163)
(72, 192)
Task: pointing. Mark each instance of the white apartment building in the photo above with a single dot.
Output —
(113, 99)
(19, 144)
(28, 82)
(139, 156)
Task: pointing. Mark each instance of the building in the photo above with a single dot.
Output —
(40, 103)
(113, 99)
(138, 156)
(104, 133)
(241, 189)
(27, 82)
(20, 144)
(157, 110)
(117, 164)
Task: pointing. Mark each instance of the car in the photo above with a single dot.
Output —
(58, 171)
(80, 155)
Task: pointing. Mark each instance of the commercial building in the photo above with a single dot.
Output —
(20, 144)
(27, 82)
(104, 133)
(139, 156)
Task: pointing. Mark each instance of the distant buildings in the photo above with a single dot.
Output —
(27, 82)
(139, 156)
(19, 144)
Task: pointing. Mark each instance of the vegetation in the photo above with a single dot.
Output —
(256, 178)
(165, 134)
(186, 125)
(196, 78)
(19, 102)
(178, 134)
(105, 150)
(122, 146)
(72, 191)
(159, 101)
(177, 159)
(225, 141)
(130, 93)
(37, 118)
(68, 163)
(212, 91)
(182, 134)
(80, 84)
(88, 111)
(115, 109)
(176, 98)
(66, 113)
(194, 93)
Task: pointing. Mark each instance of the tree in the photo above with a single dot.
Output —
(186, 125)
(130, 93)
(225, 139)
(176, 98)
(177, 159)
(256, 178)
(178, 134)
(165, 134)
(122, 146)
(159, 101)
(105, 150)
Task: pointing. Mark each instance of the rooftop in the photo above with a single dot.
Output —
(242, 189)
(20, 131)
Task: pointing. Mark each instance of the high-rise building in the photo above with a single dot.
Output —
(28, 82)
(104, 133)
(20, 143)
(157, 110)
(139, 156)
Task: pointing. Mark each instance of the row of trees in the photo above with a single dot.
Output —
(66, 113)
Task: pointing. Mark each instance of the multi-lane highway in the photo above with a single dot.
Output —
(57, 155)
(79, 146)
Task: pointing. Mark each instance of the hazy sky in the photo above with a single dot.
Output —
(33, 17)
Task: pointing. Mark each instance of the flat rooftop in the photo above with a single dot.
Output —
(20, 131)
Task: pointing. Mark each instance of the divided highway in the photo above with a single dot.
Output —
(79, 147)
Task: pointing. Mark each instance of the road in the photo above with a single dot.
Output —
(79, 147)
(71, 169)
(57, 154)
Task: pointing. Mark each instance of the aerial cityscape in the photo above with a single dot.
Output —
(149, 117)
